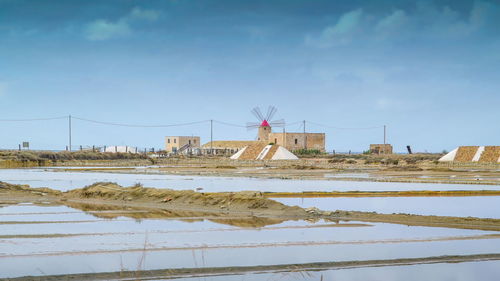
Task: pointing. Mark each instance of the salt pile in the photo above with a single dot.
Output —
(264, 152)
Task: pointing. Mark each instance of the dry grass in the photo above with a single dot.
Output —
(66, 155)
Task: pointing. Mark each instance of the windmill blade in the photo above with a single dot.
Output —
(257, 113)
(271, 110)
(252, 125)
(277, 123)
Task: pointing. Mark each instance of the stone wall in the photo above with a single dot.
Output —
(296, 141)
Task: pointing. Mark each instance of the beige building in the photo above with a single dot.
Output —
(225, 147)
(292, 141)
(381, 148)
(179, 144)
(296, 141)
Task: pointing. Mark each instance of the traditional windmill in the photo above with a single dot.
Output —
(265, 122)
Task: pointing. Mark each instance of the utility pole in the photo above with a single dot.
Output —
(211, 136)
(305, 137)
(69, 119)
(384, 134)
(384, 137)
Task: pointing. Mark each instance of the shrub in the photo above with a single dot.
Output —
(307, 152)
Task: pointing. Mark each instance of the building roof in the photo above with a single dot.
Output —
(261, 151)
(228, 144)
(488, 154)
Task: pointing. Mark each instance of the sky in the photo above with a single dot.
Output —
(428, 70)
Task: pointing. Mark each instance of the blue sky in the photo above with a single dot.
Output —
(429, 70)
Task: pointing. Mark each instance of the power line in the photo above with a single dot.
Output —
(140, 126)
(33, 119)
(181, 124)
(229, 124)
(340, 128)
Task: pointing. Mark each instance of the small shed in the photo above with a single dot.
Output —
(381, 148)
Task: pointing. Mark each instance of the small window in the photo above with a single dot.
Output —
(296, 141)
(275, 141)
(189, 141)
(194, 141)
(175, 140)
(168, 140)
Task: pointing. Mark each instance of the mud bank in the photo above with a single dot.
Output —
(224, 205)
(246, 203)
(225, 271)
(411, 193)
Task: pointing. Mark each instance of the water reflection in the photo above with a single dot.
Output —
(70, 180)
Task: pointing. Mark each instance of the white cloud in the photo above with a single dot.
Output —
(102, 29)
(340, 33)
(143, 14)
(395, 20)
(427, 20)
(347, 23)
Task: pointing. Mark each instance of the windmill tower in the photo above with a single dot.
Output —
(265, 123)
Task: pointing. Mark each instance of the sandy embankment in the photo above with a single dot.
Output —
(230, 205)
(239, 270)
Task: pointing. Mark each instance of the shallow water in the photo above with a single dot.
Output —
(474, 206)
(69, 180)
(486, 270)
(104, 244)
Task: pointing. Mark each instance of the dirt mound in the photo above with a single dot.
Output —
(26, 188)
(248, 200)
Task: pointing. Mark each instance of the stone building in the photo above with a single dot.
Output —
(225, 147)
(381, 148)
(180, 144)
(297, 141)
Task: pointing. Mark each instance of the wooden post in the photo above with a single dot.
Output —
(384, 152)
(69, 120)
(305, 137)
(211, 136)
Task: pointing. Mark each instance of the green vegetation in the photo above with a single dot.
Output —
(301, 152)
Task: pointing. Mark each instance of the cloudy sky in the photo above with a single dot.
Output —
(429, 70)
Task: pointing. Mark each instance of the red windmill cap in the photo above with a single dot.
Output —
(264, 124)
